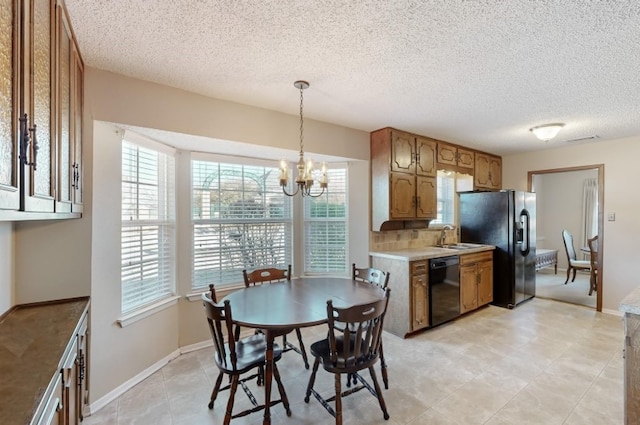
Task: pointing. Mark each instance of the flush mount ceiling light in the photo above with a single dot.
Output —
(306, 172)
(546, 132)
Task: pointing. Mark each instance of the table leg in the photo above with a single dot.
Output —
(268, 375)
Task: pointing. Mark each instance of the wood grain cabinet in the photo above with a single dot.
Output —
(476, 280)
(40, 104)
(403, 177)
(488, 172)
(419, 295)
(455, 157)
(66, 397)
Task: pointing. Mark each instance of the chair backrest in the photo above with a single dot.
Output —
(364, 325)
(568, 245)
(267, 275)
(221, 325)
(370, 275)
(593, 252)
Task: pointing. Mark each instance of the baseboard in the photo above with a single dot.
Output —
(613, 312)
(126, 386)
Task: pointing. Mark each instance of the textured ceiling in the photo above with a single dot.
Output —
(478, 73)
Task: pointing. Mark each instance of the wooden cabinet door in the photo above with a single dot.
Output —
(76, 145)
(9, 107)
(402, 152)
(447, 154)
(468, 288)
(419, 302)
(488, 172)
(495, 172)
(426, 197)
(82, 398)
(402, 196)
(65, 174)
(40, 95)
(465, 159)
(426, 157)
(485, 285)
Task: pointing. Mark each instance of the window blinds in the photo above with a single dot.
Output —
(241, 220)
(148, 226)
(326, 248)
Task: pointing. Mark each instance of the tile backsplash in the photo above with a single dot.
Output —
(404, 239)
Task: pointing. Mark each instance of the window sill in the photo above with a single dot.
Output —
(147, 311)
(220, 292)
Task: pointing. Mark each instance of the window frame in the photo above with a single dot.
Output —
(164, 221)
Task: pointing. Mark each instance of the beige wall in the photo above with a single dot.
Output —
(621, 174)
(119, 354)
(559, 200)
(6, 267)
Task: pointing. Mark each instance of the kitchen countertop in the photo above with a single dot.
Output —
(631, 303)
(32, 341)
(425, 253)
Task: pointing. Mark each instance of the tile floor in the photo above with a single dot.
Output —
(544, 362)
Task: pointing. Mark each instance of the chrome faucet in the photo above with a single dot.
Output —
(443, 234)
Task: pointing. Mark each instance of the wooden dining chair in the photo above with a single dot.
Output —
(381, 280)
(274, 275)
(237, 358)
(572, 263)
(593, 260)
(348, 350)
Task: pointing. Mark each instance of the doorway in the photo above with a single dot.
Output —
(564, 190)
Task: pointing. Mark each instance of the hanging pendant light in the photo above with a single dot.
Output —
(305, 179)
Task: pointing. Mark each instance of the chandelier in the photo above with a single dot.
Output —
(305, 179)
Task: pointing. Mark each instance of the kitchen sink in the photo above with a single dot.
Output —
(460, 246)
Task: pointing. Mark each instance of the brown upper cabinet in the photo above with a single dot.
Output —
(456, 158)
(40, 112)
(488, 172)
(403, 179)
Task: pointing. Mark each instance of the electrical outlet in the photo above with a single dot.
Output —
(611, 216)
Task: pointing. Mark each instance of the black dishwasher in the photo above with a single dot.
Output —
(444, 289)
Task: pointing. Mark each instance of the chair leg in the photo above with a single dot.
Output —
(303, 352)
(312, 379)
(383, 368)
(232, 396)
(281, 390)
(260, 379)
(338, 398)
(574, 275)
(216, 388)
(568, 274)
(383, 406)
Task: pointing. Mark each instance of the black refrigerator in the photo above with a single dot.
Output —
(506, 219)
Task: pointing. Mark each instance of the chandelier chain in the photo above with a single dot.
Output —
(301, 122)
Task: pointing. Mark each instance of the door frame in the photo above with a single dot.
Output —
(600, 168)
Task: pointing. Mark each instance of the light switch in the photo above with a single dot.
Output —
(611, 216)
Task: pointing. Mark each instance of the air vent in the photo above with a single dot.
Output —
(582, 139)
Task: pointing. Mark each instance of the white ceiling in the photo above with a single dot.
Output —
(475, 72)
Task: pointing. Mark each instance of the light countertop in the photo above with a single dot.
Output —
(631, 303)
(425, 253)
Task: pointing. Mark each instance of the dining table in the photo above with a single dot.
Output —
(276, 308)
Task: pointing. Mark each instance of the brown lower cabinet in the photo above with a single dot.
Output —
(66, 398)
(476, 280)
(48, 380)
(419, 295)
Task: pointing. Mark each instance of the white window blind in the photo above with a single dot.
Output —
(326, 232)
(148, 226)
(446, 187)
(241, 220)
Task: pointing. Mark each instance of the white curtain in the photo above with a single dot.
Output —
(589, 210)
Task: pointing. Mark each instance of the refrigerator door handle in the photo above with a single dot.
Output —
(526, 236)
